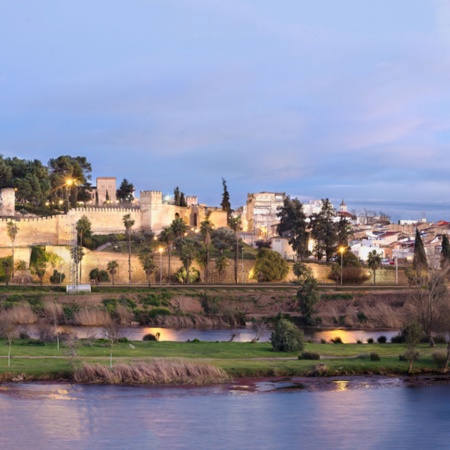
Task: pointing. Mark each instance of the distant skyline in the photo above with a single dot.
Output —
(345, 100)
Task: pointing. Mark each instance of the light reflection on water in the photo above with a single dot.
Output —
(38, 416)
(241, 334)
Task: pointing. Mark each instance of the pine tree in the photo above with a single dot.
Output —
(324, 231)
(226, 205)
(420, 258)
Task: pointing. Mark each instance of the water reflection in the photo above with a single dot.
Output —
(38, 416)
(212, 335)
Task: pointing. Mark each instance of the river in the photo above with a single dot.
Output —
(213, 335)
(383, 414)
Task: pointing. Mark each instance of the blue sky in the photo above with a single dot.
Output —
(340, 99)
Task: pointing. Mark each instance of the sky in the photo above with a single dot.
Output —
(319, 99)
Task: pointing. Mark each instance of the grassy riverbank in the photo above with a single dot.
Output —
(36, 362)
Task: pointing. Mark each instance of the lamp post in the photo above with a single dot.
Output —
(160, 250)
(396, 270)
(341, 251)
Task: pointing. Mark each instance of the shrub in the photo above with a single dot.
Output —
(309, 355)
(337, 340)
(151, 337)
(362, 317)
(440, 358)
(399, 339)
(323, 341)
(382, 340)
(363, 356)
(286, 337)
(370, 341)
(375, 357)
(359, 341)
(99, 275)
(209, 304)
(155, 312)
(57, 277)
(439, 339)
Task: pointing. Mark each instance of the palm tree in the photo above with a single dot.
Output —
(167, 235)
(83, 228)
(221, 265)
(12, 230)
(146, 257)
(206, 228)
(235, 225)
(187, 249)
(112, 269)
(374, 262)
(178, 228)
(128, 223)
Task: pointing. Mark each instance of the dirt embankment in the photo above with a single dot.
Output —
(368, 309)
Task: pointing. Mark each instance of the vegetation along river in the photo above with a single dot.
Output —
(346, 414)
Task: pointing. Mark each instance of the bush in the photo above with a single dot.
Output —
(375, 357)
(286, 337)
(382, 340)
(362, 317)
(353, 275)
(57, 277)
(151, 337)
(309, 355)
(399, 339)
(209, 304)
(359, 341)
(337, 340)
(99, 275)
(440, 358)
(370, 341)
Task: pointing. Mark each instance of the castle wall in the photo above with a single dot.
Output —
(7, 202)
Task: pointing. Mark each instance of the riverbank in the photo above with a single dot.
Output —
(33, 362)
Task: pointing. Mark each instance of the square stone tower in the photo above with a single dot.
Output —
(106, 191)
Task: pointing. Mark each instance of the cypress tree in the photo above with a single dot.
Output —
(445, 252)
(226, 205)
(420, 258)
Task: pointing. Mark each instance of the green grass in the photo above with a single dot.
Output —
(238, 359)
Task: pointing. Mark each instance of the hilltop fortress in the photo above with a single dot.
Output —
(151, 214)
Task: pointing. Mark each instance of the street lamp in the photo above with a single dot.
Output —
(160, 250)
(341, 251)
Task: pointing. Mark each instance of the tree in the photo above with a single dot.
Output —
(221, 265)
(307, 299)
(187, 250)
(270, 266)
(293, 226)
(206, 228)
(128, 224)
(324, 231)
(445, 252)
(99, 276)
(167, 235)
(179, 199)
(54, 312)
(344, 232)
(112, 267)
(225, 204)
(12, 229)
(235, 225)
(125, 192)
(301, 271)
(374, 262)
(420, 258)
(39, 269)
(428, 302)
(179, 228)
(8, 328)
(146, 258)
(7, 264)
(222, 238)
(286, 337)
(83, 228)
(412, 334)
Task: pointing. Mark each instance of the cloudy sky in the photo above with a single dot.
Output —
(340, 99)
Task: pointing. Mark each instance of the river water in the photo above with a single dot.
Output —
(213, 335)
(378, 415)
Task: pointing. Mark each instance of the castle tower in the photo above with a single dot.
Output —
(7, 202)
(191, 200)
(151, 207)
(106, 190)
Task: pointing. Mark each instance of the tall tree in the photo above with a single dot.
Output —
(420, 262)
(12, 229)
(324, 231)
(293, 226)
(270, 266)
(225, 204)
(167, 235)
(206, 228)
(112, 267)
(125, 192)
(445, 252)
(179, 228)
(128, 223)
(307, 298)
(83, 228)
(344, 232)
(147, 260)
(374, 262)
(187, 250)
(235, 225)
